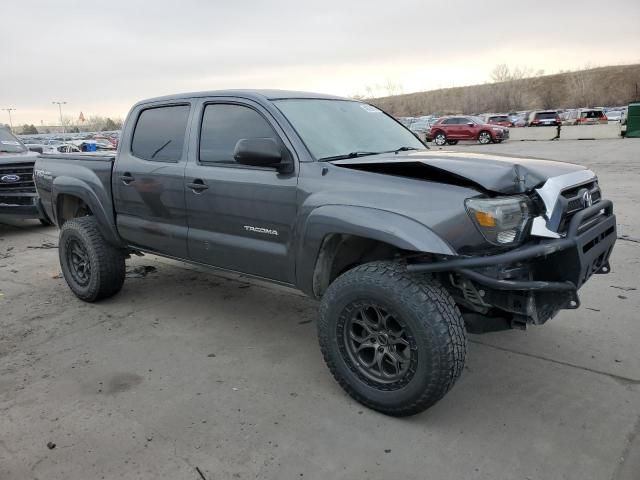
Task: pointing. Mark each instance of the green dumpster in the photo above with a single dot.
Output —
(633, 120)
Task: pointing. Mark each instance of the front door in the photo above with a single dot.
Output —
(240, 218)
(148, 181)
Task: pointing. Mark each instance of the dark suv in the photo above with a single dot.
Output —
(547, 118)
(453, 129)
(18, 195)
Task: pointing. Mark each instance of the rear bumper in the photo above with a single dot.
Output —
(547, 274)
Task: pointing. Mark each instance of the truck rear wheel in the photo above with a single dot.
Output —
(394, 341)
(93, 268)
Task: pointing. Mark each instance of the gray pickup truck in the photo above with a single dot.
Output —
(406, 248)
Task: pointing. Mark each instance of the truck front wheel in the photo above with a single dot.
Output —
(93, 268)
(394, 341)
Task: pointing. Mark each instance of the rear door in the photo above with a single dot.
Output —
(148, 180)
(450, 127)
(240, 217)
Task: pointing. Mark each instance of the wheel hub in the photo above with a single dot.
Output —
(377, 343)
(79, 262)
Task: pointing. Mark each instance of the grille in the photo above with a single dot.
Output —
(24, 185)
(574, 203)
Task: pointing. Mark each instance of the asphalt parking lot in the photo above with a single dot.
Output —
(191, 374)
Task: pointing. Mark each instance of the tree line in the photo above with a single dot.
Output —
(516, 89)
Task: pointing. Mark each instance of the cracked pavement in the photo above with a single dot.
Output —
(191, 368)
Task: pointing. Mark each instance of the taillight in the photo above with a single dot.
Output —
(604, 118)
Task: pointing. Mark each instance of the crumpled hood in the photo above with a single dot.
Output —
(492, 172)
(27, 157)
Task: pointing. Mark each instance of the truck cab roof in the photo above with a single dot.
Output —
(259, 95)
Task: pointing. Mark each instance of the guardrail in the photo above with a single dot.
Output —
(567, 132)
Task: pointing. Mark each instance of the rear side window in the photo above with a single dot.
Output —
(592, 114)
(159, 134)
(223, 125)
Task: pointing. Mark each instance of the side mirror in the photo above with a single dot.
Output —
(470, 124)
(260, 152)
(35, 148)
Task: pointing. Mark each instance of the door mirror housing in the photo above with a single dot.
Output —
(260, 152)
(470, 124)
(35, 148)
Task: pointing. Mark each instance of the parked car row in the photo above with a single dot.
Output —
(421, 126)
(105, 140)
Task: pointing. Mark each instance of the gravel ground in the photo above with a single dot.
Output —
(190, 374)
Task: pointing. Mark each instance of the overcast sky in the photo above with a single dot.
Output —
(101, 57)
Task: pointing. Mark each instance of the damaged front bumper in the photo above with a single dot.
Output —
(533, 282)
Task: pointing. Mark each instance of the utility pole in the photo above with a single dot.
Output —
(9, 110)
(60, 108)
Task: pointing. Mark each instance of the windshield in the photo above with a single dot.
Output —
(9, 143)
(499, 118)
(332, 128)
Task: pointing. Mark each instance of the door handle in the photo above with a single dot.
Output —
(127, 178)
(197, 185)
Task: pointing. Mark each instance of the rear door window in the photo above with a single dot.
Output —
(160, 132)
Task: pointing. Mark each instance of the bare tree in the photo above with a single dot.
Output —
(392, 88)
(500, 73)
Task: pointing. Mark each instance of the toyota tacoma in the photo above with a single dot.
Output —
(406, 249)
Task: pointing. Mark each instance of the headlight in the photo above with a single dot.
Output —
(502, 221)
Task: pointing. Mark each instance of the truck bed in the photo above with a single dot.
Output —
(88, 171)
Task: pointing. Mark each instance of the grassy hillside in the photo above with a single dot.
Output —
(615, 85)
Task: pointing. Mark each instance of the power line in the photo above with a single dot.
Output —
(9, 110)
(60, 108)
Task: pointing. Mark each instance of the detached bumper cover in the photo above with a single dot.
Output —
(559, 265)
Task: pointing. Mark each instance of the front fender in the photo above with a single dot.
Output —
(100, 204)
(381, 225)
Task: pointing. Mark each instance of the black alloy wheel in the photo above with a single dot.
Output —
(377, 343)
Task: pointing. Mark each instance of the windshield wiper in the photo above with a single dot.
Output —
(401, 149)
(348, 155)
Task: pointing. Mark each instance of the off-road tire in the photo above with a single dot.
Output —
(107, 263)
(435, 322)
